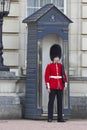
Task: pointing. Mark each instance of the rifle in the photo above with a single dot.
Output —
(63, 71)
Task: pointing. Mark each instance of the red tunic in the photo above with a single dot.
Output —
(53, 76)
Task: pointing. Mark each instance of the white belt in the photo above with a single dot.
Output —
(56, 77)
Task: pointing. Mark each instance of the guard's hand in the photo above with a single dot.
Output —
(48, 90)
(65, 88)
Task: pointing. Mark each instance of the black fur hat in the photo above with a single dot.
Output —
(55, 51)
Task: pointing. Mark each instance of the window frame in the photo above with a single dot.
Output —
(38, 7)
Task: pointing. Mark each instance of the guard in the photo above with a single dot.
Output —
(55, 82)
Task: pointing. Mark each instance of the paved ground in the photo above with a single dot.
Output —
(42, 125)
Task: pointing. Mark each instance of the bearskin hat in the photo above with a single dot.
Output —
(55, 51)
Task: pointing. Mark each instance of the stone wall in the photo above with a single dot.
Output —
(12, 90)
(78, 107)
(78, 97)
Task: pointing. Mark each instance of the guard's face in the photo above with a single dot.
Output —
(56, 60)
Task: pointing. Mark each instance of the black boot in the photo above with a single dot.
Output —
(49, 120)
(61, 120)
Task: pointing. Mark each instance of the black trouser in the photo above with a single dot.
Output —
(52, 95)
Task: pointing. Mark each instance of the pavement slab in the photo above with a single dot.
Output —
(42, 125)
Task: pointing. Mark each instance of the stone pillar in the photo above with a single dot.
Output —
(10, 107)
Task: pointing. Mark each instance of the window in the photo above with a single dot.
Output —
(33, 5)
